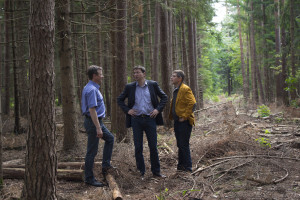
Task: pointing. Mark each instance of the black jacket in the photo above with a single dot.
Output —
(155, 91)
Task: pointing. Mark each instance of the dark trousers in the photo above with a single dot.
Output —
(92, 147)
(147, 124)
(183, 133)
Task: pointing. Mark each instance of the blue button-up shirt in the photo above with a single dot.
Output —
(91, 97)
(143, 104)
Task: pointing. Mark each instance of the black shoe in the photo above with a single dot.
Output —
(188, 170)
(105, 170)
(159, 175)
(95, 183)
(180, 168)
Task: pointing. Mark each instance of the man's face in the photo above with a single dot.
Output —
(98, 77)
(175, 79)
(138, 74)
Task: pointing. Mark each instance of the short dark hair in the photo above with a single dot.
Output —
(140, 67)
(179, 73)
(93, 69)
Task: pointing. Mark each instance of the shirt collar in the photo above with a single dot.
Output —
(137, 84)
(177, 88)
(94, 84)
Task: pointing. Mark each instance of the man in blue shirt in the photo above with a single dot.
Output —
(143, 113)
(93, 108)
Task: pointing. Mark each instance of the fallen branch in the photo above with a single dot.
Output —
(63, 174)
(60, 165)
(168, 148)
(256, 156)
(207, 167)
(226, 171)
(114, 187)
(262, 182)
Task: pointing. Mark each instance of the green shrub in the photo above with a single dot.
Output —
(263, 111)
(263, 142)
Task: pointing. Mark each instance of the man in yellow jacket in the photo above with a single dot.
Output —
(182, 107)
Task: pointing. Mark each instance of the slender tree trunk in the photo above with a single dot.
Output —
(67, 76)
(22, 55)
(175, 45)
(99, 36)
(41, 160)
(184, 52)
(131, 33)
(107, 79)
(6, 104)
(1, 154)
(77, 67)
(121, 63)
(267, 71)
(285, 96)
(114, 122)
(165, 68)
(277, 56)
(141, 33)
(200, 83)
(150, 35)
(85, 54)
(170, 38)
(253, 58)
(292, 38)
(15, 73)
(245, 84)
(248, 64)
(154, 71)
(192, 67)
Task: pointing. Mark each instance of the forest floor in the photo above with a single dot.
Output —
(235, 153)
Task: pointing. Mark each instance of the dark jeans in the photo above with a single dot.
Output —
(147, 124)
(183, 133)
(92, 147)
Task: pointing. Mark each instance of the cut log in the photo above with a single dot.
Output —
(63, 174)
(114, 187)
(60, 165)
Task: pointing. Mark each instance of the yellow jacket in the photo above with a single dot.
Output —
(184, 105)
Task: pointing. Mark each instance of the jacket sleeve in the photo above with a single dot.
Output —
(163, 97)
(121, 99)
(189, 102)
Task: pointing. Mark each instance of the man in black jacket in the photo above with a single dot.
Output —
(143, 113)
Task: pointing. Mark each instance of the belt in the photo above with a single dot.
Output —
(143, 115)
(89, 117)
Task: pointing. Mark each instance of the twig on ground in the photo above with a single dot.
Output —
(256, 156)
(207, 167)
(226, 171)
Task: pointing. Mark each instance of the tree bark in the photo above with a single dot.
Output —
(121, 63)
(277, 56)
(285, 94)
(114, 121)
(6, 104)
(253, 57)
(292, 38)
(67, 76)
(41, 160)
(157, 24)
(150, 35)
(192, 67)
(185, 66)
(245, 84)
(267, 70)
(15, 73)
(141, 33)
(165, 68)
